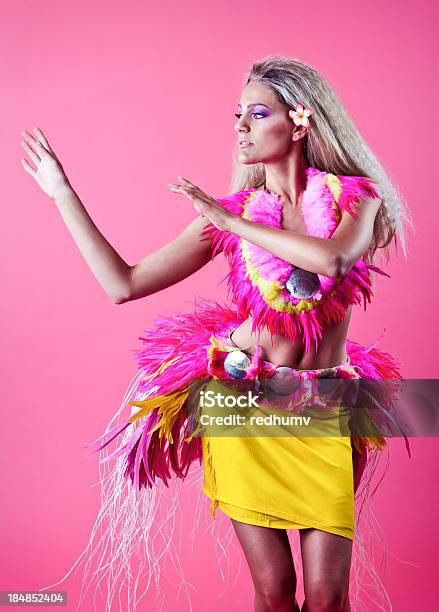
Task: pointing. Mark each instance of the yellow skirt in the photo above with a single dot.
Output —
(283, 481)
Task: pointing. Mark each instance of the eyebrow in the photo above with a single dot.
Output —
(255, 104)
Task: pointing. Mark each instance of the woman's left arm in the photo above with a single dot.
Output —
(330, 257)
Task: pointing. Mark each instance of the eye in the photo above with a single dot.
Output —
(237, 115)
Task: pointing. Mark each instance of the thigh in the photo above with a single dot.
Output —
(268, 553)
(326, 559)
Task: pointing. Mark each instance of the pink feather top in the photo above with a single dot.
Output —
(276, 294)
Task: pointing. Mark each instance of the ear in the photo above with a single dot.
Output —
(298, 131)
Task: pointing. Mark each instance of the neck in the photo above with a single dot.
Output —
(287, 179)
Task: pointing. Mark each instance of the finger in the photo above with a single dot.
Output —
(34, 157)
(32, 142)
(199, 193)
(27, 167)
(191, 187)
(179, 189)
(186, 182)
(173, 187)
(42, 139)
(187, 191)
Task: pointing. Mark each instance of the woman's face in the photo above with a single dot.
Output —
(264, 122)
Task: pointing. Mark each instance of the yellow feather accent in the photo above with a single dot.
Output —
(216, 344)
(168, 406)
(335, 187)
(364, 423)
(334, 184)
(337, 212)
(378, 442)
(162, 368)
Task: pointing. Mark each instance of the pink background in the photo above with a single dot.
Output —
(130, 95)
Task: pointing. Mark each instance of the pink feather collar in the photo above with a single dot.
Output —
(272, 290)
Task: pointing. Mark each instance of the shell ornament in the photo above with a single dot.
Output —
(302, 284)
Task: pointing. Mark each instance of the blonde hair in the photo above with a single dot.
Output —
(333, 144)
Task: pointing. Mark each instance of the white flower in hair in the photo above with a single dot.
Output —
(300, 115)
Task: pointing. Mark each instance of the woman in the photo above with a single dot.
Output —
(311, 203)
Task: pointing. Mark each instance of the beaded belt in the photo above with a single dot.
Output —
(226, 361)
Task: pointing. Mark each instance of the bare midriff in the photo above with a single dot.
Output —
(283, 351)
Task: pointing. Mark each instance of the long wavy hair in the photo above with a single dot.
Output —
(333, 144)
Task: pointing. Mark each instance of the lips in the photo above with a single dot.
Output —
(244, 143)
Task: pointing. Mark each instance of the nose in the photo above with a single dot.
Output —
(242, 130)
(241, 126)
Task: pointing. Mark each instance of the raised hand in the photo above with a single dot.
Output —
(204, 204)
(48, 173)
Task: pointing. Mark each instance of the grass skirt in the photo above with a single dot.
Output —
(140, 514)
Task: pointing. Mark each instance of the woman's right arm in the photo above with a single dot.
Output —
(162, 268)
(172, 263)
(158, 270)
